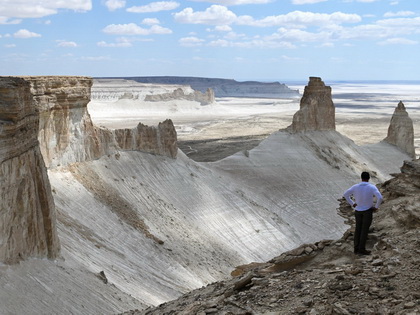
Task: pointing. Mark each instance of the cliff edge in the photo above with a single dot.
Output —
(27, 217)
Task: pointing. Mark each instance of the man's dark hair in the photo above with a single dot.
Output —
(365, 176)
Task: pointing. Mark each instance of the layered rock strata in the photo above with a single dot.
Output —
(27, 212)
(401, 130)
(204, 98)
(44, 122)
(226, 87)
(67, 133)
(159, 140)
(317, 111)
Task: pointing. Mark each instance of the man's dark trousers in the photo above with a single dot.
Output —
(363, 222)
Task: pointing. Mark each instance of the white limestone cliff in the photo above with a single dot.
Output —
(159, 140)
(401, 131)
(203, 98)
(27, 211)
(67, 133)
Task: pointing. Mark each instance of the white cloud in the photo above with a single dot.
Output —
(38, 9)
(150, 21)
(134, 29)
(10, 46)
(236, 2)
(24, 33)
(113, 5)
(214, 15)
(220, 43)
(234, 36)
(223, 28)
(191, 41)
(63, 43)
(95, 58)
(6, 20)
(154, 7)
(220, 15)
(398, 41)
(399, 13)
(307, 1)
(122, 43)
(304, 19)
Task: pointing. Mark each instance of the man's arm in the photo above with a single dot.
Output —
(347, 195)
(379, 198)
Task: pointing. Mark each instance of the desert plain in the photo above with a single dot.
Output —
(211, 132)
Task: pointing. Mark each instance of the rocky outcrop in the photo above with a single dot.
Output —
(27, 212)
(161, 140)
(204, 98)
(401, 131)
(225, 87)
(44, 122)
(326, 277)
(317, 111)
(67, 133)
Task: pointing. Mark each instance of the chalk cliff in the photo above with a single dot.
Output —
(401, 130)
(44, 122)
(204, 98)
(27, 212)
(67, 133)
(160, 140)
(225, 87)
(317, 111)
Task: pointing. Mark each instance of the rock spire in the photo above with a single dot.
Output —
(317, 111)
(401, 130)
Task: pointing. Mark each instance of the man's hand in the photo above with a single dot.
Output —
(354, 205)
(375, 209)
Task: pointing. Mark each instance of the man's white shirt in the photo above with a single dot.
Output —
(363, 194)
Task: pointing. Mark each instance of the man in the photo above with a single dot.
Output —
(364, 205)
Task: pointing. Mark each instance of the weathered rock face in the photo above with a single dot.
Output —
(67, 134)
(27, 212)
(317, 111)
(204, 98)
(401, 130)
(161, 140)
(226, 87)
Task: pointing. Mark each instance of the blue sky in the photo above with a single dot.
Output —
(238, 39)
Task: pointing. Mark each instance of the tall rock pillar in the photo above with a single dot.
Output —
(401, 130)
(317, 111)
(27, 211)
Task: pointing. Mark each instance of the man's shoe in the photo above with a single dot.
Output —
(363, 252)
